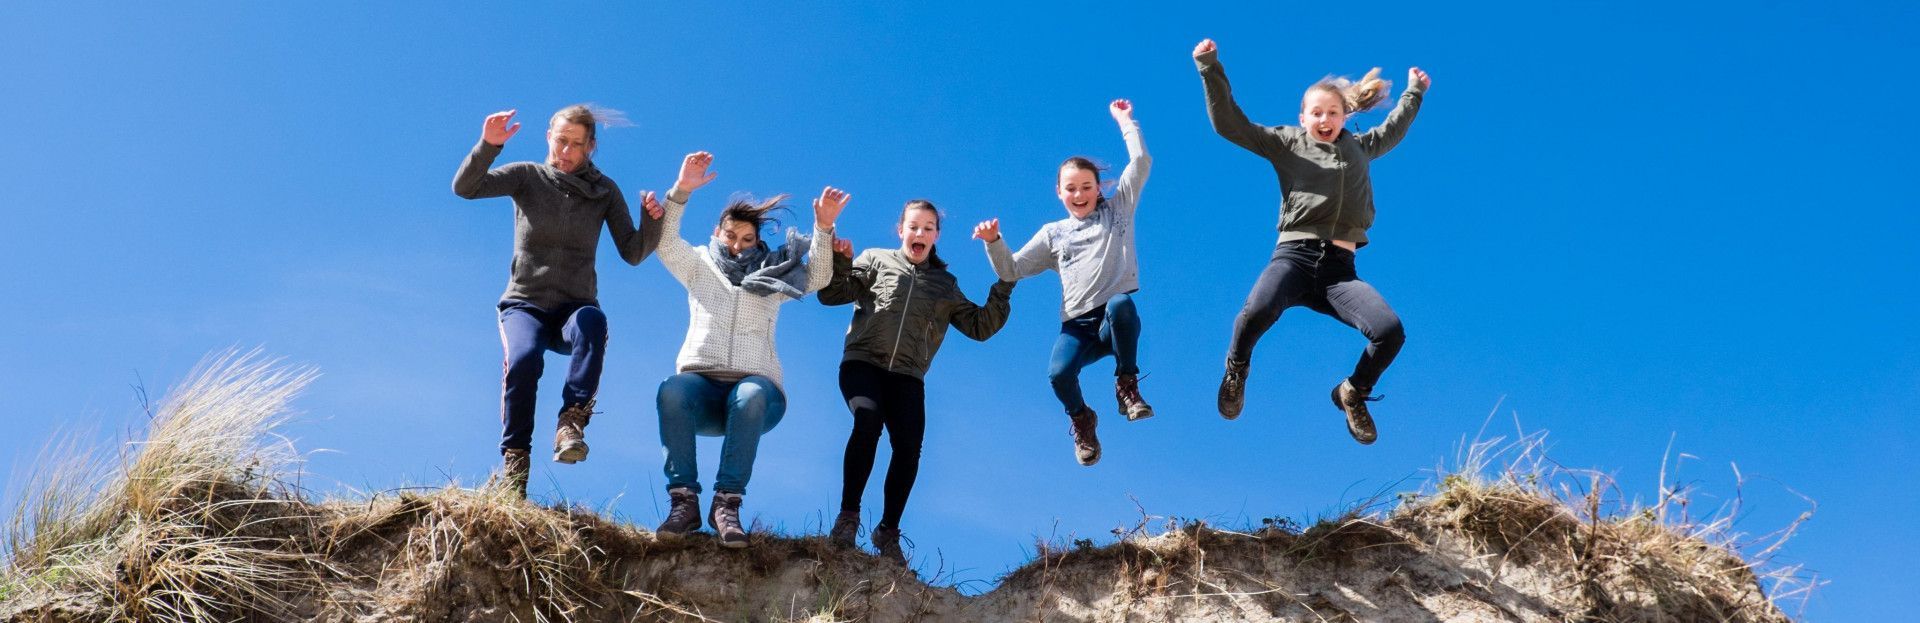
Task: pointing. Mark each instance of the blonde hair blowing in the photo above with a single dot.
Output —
(1358, 96)
(590, 116)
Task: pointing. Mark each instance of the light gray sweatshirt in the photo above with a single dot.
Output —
(1094, 255)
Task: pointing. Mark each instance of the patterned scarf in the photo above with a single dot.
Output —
(763, 272)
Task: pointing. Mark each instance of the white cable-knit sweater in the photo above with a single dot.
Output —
(729, 331)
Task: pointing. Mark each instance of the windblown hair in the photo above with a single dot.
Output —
(933, 252)
(1358, 96)
(590, 116)
(743, 209)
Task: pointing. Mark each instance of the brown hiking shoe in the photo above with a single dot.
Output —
(1126, 389)
(1233, 389)
(1354, 403)
(570, 437)
(684, 516)
(724, 516)
(886, 539)
(515, 465)
(1086, 445)
(846, 528)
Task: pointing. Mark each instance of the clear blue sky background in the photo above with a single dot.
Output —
(1633, 222)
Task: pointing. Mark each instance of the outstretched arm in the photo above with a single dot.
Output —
(826, 210)
(1126, 193)
(850, 280)
(1227, 118)
(473, 180)
(1032, 259)
(982, 321)
(1381, 139)
(679, 257)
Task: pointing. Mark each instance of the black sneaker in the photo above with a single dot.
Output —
(1233, 389)
(1086, 445)
(684, 516)
(886, 539)
(1126, 389)
(724, 516)
(1354, 403)
(846, 528)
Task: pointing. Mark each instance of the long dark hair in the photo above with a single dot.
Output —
(743, 209)
(933, 251)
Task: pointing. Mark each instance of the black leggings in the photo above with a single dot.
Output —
(1320, 275)
(881, 399)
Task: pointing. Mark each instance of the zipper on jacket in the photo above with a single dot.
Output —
(913, 276)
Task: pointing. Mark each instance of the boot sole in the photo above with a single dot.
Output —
(570, 454)
(1139, 414)
(740, 544)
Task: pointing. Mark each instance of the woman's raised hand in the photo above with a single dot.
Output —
(826, 209)
(693, 172)
(843, 247)
(651, 204)
(495, 130)
(1122, 111)
(1417, 76)
(987, 231)
(1205, 47)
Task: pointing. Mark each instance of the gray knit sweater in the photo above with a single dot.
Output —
(556, 225)
(1094, 255)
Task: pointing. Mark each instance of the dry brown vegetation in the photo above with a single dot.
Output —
(196, 523)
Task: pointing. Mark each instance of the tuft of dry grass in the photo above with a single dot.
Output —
(191, 523)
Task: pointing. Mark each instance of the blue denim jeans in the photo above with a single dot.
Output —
(691, 405)
(1320, 276)
(1110, 330)
(527, 332)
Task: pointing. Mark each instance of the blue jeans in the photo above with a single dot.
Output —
(1320, 276)
(691, 405)
(527, 332)
(1110, 330)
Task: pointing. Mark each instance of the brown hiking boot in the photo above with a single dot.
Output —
(846, 528)
(724, 516)
(1354, 403)
(1233, 389)
(570, 437)
(515, 464)
(1086, 445)
(1126, 389)
(886, 539)
(683, 517)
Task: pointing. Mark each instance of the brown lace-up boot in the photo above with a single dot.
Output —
(1353, 402)
(846, 528)
(683, 516)
(1126, 389)
(1233, 389)
(570, 437)
(1086, 445)
(513, 472)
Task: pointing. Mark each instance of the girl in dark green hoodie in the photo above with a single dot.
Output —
(904, 300)
(1323, 170)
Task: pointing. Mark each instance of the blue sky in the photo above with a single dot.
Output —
(1623, 224)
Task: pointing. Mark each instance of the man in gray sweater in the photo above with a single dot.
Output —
(551, 302)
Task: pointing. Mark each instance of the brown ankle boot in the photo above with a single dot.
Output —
(570, 437)
(515, 465)
(1353, 402)
(1126, 389)
(1086, 445)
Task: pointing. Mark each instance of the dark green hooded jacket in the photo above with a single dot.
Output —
(902, 310)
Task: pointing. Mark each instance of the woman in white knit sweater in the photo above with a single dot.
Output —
(727, 381)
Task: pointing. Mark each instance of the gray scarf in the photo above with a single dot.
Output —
(763, 272)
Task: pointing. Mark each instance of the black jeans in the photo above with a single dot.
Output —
(881, 399)
(1320, 276)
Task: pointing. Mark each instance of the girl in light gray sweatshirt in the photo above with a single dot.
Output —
(1093, 251)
